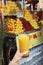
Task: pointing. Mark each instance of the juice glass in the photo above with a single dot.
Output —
(23, 41)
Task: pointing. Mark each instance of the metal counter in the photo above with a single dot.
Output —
(35, 57)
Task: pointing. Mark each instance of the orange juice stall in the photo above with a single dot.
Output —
(22, 23)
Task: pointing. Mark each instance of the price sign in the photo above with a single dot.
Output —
(19, 15)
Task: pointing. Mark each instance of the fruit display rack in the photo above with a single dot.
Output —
(27, 18)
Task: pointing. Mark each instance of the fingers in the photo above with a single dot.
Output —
(25, 53)
(18, 56)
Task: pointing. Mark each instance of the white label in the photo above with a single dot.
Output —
(19, 15)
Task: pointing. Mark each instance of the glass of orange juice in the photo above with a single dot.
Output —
(23, 41)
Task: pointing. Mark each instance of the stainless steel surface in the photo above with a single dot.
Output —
(35, 58)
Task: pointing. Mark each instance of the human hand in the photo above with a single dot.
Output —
(17, 58)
